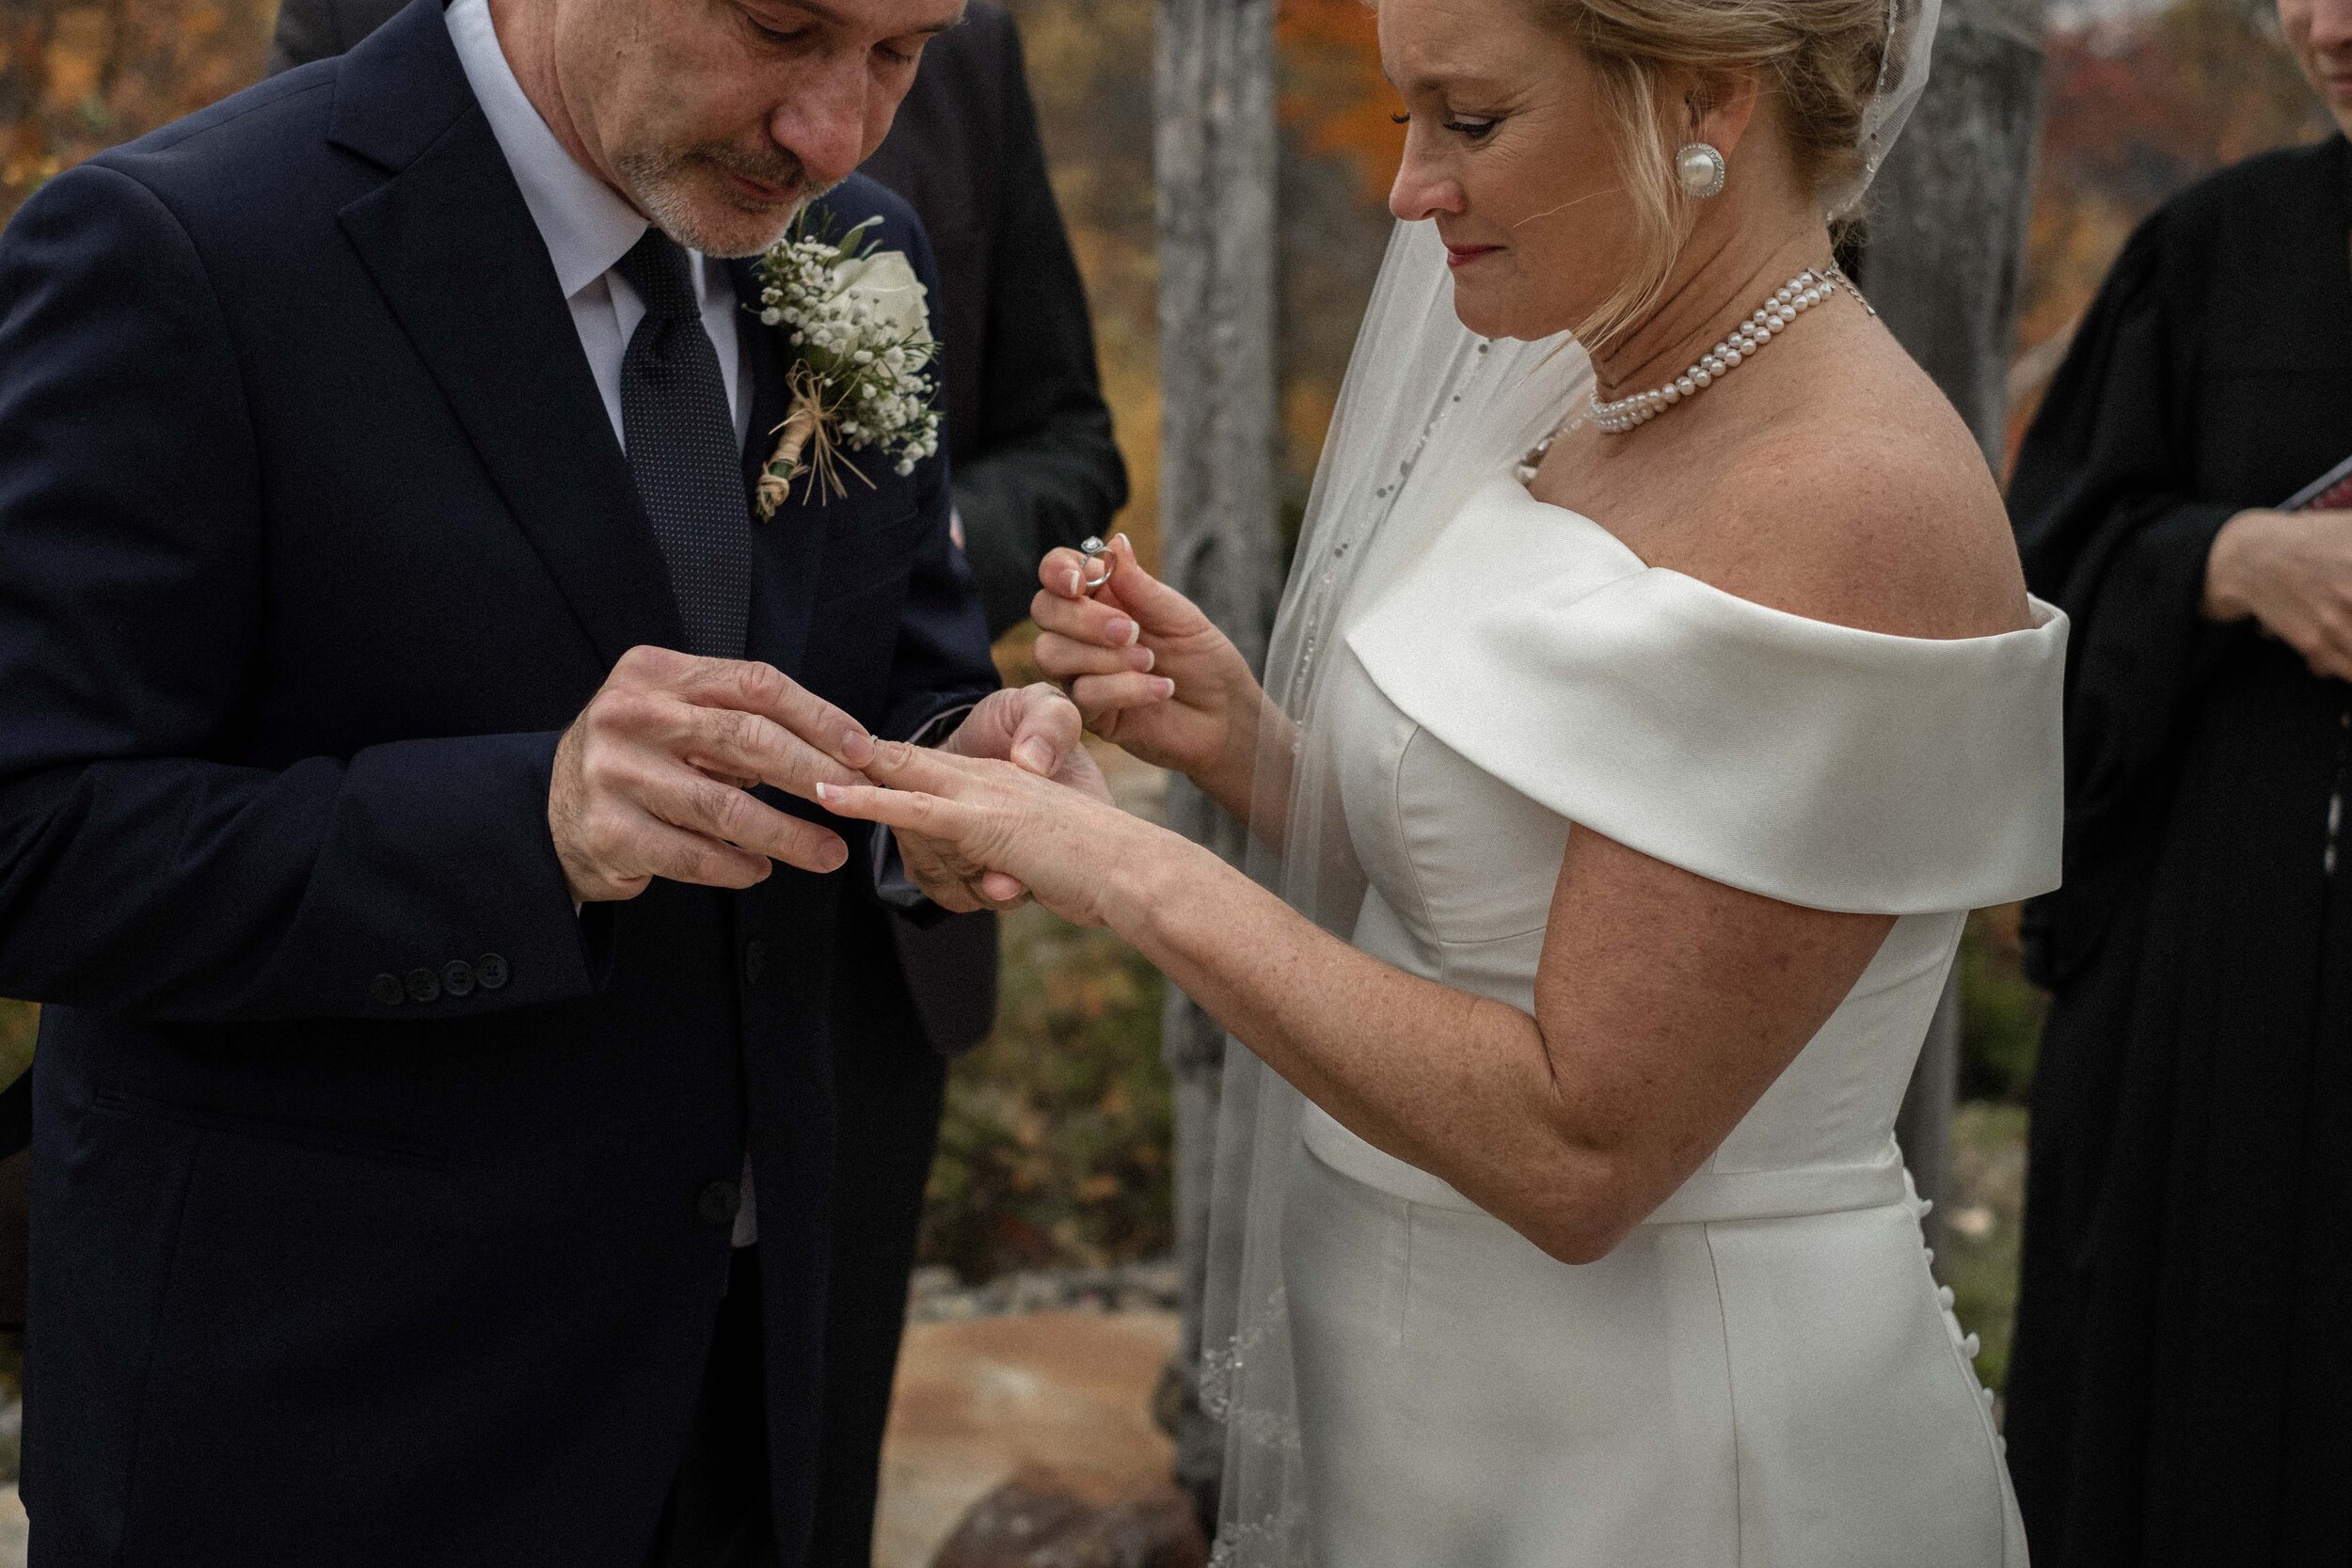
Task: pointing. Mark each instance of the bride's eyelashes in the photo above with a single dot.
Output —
(1469, 130)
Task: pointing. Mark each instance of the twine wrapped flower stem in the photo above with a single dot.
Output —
(861, 378)
(805, 446)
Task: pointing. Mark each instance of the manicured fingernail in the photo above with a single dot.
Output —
(826, 791)
(1163, 687)
(857, 748)
(1141, 658)
(1076, 585)
(1119, 629)
(1121, 542)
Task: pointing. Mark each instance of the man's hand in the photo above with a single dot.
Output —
(1036, 728)
(2292, 571)
(652, 778)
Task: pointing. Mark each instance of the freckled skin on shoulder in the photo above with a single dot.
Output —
(1838, 484)
(1875, 510)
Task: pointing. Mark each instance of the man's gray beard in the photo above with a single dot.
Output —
(654, 180)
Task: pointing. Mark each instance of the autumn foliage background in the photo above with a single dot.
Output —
(1056, 1147)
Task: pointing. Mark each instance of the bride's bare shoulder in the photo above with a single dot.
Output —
(1870, 506)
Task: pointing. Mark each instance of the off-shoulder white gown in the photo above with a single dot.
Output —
(1763, 1374)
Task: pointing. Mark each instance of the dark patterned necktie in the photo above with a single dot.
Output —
(680, 437)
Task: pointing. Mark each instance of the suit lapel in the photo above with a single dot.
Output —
(787, 548)
(459, 261)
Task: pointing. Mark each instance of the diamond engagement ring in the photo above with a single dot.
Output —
(1099, 560)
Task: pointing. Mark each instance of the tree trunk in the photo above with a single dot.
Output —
(1943, 262)
(1218, 424)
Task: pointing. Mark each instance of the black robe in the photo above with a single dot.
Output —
(2181, 1391)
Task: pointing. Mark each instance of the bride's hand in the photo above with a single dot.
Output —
(1035, 727)
(1146, 668)
(1008, 828)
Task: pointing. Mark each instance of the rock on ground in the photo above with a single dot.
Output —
(1065, 1519)
(981, 1400)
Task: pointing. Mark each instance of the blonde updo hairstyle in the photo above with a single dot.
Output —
(1821, 61)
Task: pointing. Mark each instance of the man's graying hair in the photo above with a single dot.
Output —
(1823, 61)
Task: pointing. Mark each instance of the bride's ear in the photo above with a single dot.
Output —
(1718, 107)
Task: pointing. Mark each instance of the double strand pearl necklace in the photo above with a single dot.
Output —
(1789, 301)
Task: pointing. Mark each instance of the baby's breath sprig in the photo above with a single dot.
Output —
(860, 380)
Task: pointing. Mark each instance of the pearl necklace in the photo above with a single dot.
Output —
(1793, 299)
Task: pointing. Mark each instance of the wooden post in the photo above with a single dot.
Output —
(1218, 247)
(1942, 263)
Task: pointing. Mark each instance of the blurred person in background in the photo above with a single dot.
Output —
(2182, 1387)
(1033, 466)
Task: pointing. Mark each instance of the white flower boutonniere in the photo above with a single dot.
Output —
(861, 379)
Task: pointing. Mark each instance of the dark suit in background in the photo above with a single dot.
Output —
(1033, 466)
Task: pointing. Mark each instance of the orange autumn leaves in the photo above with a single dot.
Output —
(2131, 115)
(80, 76)
(1333, 96)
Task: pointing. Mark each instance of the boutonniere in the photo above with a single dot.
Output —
(860, 377)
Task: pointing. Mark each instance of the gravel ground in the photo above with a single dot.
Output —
(937, 1296)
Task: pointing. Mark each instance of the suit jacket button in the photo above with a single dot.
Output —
(457, 977)
(489, 972)
(718, 1202)
(424, 986)
(754, 962)
(385, 989)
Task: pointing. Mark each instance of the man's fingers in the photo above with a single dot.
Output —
(733, 743)
(1066, 657)
(748, 686)
(679, 856)
(1003, 892)
(1046, 730)
(702, 805)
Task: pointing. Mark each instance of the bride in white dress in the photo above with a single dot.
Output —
(1623, 799)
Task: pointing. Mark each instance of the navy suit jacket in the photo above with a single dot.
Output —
(382, 1204)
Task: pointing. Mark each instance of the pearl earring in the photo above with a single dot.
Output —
(1701, 170)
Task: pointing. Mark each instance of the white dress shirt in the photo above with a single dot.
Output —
(588, 228)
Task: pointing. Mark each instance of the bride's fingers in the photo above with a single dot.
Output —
(1100, 621)
(1064, 657)
(1100, 696)
(901, 766)
(1145, 597)
(1073, 574)
(910, 810)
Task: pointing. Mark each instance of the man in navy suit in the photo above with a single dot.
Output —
(404, 791)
